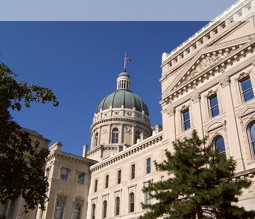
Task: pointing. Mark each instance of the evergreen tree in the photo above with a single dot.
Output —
(201, 184)
(21, 159)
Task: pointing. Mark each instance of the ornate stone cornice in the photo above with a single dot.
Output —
(149, 142)
(191, 82)
(209, 84)
(217, 28)
(68, 156)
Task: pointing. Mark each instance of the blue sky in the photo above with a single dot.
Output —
(80, 62)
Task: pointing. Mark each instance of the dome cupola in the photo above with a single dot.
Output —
(123, 97)
(121, 118)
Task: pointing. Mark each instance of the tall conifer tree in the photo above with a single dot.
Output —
(201, 184)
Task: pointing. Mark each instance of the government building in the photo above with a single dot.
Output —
(207, 84)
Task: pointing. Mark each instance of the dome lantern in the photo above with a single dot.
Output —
(123, 81)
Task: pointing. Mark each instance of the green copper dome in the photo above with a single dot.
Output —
(124, 98)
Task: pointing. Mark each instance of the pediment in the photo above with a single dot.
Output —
(213, 125)
(204, 61)
(246, 110)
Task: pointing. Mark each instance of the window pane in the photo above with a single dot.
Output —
(215, 111)
(95, 188)
(148, 167)
(119, 176)
(117, 206)
(104, 209)
(106, 181)
(77, 211)
(187, 125)
(186, 115)
(115, 135)
(64, 174)
(248, 95)
(253, 132)
(186, 120)
(219, 144)
(132, 171)
(81, 178)
(213, 101)
(132, 202)
(246, 84)
(59, 209)
(247, 89)
(214, 108)
(93, 215)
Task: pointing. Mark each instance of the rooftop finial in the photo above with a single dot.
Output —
(126, 60)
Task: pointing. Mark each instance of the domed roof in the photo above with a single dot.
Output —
(124, 73)
(124, 98)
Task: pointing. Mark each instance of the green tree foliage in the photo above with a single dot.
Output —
(21, 159)
(201, 184)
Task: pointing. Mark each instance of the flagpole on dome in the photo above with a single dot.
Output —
(126, 60)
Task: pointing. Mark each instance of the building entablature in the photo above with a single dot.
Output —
(121, 113)
(67, 156)
(151, 141)
(207, 35)
(121, 121)
(206, 66)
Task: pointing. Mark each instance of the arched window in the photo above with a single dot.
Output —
(77, 211)
(137, 136)
(115, 135)
(252, 137)
(219, 144)
(117, 206)
(59, 209)
(93, 212)
(131, 202)
(96, 139)
(104, 209)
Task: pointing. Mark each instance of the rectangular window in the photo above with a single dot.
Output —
(214, 107)
(64, 174)
(186, 119)
(147, 198)
(81, 178)
(148, 165)
(95, 185)
(119, 177)
(106, 181)
(247, 91)
(132, 171)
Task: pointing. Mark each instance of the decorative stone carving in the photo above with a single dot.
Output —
(170, 110)
(196, 98)
(127, 129)
(184, 107)
(243, 75)
(225, 81)
(211, 93)
(104, 131)
(208, 61)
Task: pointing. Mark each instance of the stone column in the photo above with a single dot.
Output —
(233, 140)
(196, 115)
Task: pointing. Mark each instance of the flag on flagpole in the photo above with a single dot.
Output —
(126, 60)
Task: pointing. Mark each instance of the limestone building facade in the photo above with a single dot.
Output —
(208, 84)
